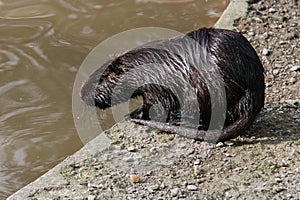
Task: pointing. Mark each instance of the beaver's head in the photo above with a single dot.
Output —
(98, 89)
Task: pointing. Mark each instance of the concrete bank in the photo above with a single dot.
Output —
(235, 10)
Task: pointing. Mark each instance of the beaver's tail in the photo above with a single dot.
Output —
(214, 136)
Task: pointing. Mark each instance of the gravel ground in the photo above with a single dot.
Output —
(262, 164)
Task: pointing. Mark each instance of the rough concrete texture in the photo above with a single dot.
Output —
(235, 10)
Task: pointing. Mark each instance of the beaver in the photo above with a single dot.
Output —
(186, 82)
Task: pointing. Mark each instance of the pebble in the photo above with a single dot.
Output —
(282, 42)
(149, 173)
(131, 149)
(251, 33)
(182, 145)
(292, 102)
(220, 144)
(134, 178)
(268, 84)
(153, 188)
(228, 143)
(197, 162)
(228, 155)
(278, 180)
(276, 71)
(153, 150)
(272, 10)
(237, 169)
(295, 68)
(257, 19)
(91, 185)
(91, 197)
(265, 35)
(174, 192)
(197, 170)
(192, 187)
(190, 151)
(293, 80)
(265, 52)
(279, 189)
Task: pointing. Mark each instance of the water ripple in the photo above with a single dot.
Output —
(73, 6)
(32, 59)
(28, 12)
(14, 32)
(7, 60)
(12, 85)
(38, 50)
(19, 111)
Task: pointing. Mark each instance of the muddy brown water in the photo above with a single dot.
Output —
(42, 44)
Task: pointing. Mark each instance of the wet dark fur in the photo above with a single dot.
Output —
(219, 56)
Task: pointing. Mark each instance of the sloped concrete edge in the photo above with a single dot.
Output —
(53, 177)
(235, 10)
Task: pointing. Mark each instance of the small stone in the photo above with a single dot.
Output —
(91, 185)
(192, 187)
(128, 159)
(162, 186)
(251, 33)
(266, 52)
(278, 180)
(219, 144)
(153, 150)
(279, 189)
(257, 19)
(268, 84)
(197, 162)
(197, 169)
(272, 10)
(237, 169)
(228, 155)
(201, 180)
(293, 80)
(131, 149)
(149, 173)
(282, 42)
(228, 143)
(153, 188)
(190, 151)
(174, 192)
(91, 197)
(276, 71)
(134, 178)
(292, 102)
(295, 68)
(265, 35)
(273, 26)
(182, 145)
